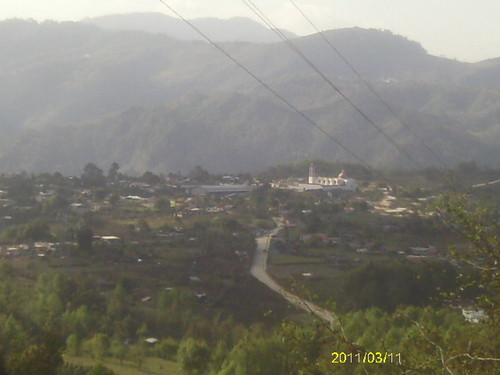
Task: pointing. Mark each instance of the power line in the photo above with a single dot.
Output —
(294, 48)
(368, 85)
(274, 92)
(378, 96)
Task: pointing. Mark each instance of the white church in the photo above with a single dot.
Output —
(342, 182)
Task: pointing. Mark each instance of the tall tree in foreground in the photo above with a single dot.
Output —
(479, 225)
(44, 358)
(193, 356)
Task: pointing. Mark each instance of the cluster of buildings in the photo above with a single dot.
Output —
(40, 249)
(316, 182)
(388, 206)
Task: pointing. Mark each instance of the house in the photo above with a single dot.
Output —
(77, 208)
(44, 196)
(200, 295)
(474, 315)
(42, 247)
(110, 239)
(241, 254)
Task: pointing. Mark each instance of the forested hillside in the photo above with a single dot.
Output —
(71, 92)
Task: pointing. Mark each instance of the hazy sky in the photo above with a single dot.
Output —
(468, 30)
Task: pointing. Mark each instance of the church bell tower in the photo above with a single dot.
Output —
(312, 173)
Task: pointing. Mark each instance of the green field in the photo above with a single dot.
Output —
(150, 366)
(282, 259)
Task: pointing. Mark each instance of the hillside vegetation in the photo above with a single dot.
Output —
(72, 91)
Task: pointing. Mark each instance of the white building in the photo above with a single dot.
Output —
(473, 315)
(341, 182)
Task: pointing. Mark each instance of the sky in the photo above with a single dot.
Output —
(466, 30)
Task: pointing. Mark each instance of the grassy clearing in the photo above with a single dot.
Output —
(150, 366)
(277, 259)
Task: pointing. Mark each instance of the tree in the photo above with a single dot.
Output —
(78, 322)
(478, 224)
(150, 178)
(84, 238)
(38, 359)
(392, 284)
(99, 346)
(219, 354)
(200, 175)
(114, 198)
(100, 193)
(143, 226)
(142, 331)
(36, 230)
(3, 371)
(138, 352)
(193, 356)
(162, 205)
(118, 303)
(21, 188)
(13, 335)
(167, 348)
(92, 176)
(72, 345)
(57, 202)
(100, 370)
(288, 351)
(118, 349)
(113, 171)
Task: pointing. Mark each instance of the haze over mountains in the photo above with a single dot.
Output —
(71, 93)
(237, 29)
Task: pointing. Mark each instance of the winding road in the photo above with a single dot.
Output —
(486, 184)
(258, 270)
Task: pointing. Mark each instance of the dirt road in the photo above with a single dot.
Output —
(258, 270)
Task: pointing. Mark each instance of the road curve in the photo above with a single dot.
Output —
(258, 270)
(486, 184)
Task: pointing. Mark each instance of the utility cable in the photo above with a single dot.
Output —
(269, 88)
(292, 46)
(369, 86)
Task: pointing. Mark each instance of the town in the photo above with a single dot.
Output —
(167, 256)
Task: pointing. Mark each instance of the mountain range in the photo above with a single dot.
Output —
(110, 90)
(236, 29)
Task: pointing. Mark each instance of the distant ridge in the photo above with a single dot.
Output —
(236, 29)
(73, 93)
